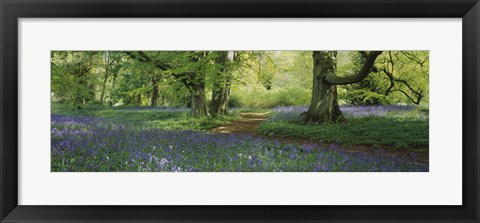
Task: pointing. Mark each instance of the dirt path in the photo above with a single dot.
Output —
(249, 122)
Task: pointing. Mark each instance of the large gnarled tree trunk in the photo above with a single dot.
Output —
(324, 106)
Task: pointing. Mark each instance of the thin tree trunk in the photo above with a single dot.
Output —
(154, 98)
(324, 106)
(113, 88)
(104, 86)
(139, 99)
(105, 77)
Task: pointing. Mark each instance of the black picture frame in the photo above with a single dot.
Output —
(11, 11)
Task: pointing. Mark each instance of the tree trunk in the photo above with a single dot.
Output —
(199, 101)
(154, 98)
(221, 87)
(113, 89)
(220, 95)
(105, 77)
(139, 99)
(324, 106)
(104, 86)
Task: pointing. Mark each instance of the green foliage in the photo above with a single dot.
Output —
(262, 79)
(234, 101)
(263, 98)
(364, 96)
(397, 77)
(72, 79)
(273, 78)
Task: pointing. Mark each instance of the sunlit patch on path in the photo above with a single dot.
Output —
(246, 124)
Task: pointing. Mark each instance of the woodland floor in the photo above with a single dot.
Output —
(249, 122)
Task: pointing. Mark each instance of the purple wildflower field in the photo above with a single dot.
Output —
(87, 144)
(292, 113)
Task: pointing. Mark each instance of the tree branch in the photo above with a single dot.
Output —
(419, 94)
(142, 57)
(419, 97)
(331, 78)
(390, 74)
(392, 82)
(274, 64)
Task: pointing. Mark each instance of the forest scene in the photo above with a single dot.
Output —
(239, 111)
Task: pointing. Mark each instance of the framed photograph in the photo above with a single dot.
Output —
(239, 111)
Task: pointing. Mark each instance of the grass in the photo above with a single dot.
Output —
(168, 119)
(398, 130)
